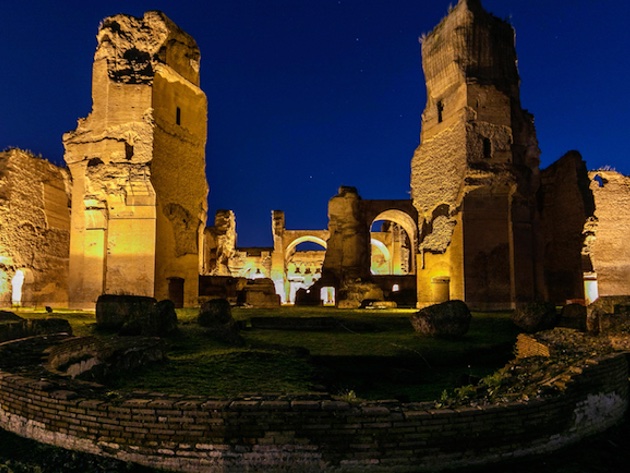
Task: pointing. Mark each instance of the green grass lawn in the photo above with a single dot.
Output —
(381, 359)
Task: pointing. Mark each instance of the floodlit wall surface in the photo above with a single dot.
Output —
(309, 433)
(138, 165)
(608, 231)
(34, 231)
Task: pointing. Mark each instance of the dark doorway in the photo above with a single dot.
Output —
(176, 291)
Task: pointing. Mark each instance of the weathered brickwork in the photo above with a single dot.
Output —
(273, 433)
(139, 189)
(34, 231)
(475, 175)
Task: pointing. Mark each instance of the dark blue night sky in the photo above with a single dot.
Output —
(307, 95)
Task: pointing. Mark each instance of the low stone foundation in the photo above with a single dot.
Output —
(308, 433)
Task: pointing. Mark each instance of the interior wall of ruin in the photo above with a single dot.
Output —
(567, 203)
(34, 231)
(487, 270)
(179, 178)
(292, 268)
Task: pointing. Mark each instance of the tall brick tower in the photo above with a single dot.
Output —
(138, 166)
(475, 174)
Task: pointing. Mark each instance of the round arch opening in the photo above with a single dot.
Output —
(395, 231)
(303, 265)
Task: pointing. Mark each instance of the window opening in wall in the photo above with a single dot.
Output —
(178, 116)
(440, 109)
(487, 148)
(94, 162)
(600, 180)
(591, 291)
(128, 151)
(16, 288)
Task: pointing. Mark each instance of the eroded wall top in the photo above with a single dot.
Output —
(133, 47)
(470, 44)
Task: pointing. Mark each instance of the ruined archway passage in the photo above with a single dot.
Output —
(393, 236)
(304, 258)
(293, 268)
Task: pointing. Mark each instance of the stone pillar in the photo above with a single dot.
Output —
(347, 262)
(278, 256)
(348, 248)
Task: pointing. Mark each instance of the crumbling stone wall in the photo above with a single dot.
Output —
(566, 203)
(347, 254)
(607, 231)
(475, 174)
(34, 229)
(220, 244)
(347, 262)
(137, 164)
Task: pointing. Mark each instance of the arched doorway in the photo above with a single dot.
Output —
(304, 258)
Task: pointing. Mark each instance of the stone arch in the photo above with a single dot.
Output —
(302, 278)
(402, 218)
(285, 243)
(292, 244)
(407, 223)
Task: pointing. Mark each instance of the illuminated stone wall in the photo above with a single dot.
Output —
(607, 233)
(475, 174)
(34, 231)
(292, 268)
(287, 268)
(137, 164)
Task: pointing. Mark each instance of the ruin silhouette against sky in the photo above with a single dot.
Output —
(305, 96)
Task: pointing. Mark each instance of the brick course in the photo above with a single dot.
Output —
(312, 432)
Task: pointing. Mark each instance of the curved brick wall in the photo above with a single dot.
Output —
(306, 433)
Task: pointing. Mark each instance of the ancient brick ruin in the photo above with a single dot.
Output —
(475, 175)
(34, 231)
(307, 433)
(138, 166)
(484, 223)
